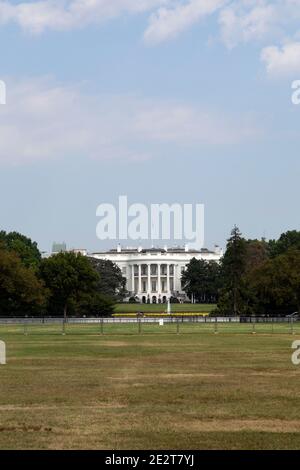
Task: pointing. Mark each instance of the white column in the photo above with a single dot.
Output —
(175, 281)
(149, 278)
(132, 279)
(140, 278)
(168, 279)
(158, 278)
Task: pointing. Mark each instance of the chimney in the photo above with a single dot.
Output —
(119, 249)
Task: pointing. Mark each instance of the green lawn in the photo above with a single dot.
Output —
(160, 308)
(154, 390)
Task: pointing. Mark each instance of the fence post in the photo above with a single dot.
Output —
(177, 326)
(292, 326)
(216, 325)
(140, 329)
(63, 327)
(253, 327)
(101, 326)
(25, 327)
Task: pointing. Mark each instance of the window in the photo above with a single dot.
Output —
(124, 271)
(153, 286)
(153, 269)
(144, 270)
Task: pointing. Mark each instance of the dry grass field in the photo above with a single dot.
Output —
(155, 390)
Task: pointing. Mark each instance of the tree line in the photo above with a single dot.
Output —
(63, 284)
(254, 277)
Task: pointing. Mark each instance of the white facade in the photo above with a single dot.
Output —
(154, 274)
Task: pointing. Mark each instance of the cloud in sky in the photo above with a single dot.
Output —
(252, 21)
(167, 23)
(42, 120)
(266, 22)
(281, 61)
(39, 16)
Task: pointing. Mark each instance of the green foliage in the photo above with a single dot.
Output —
(111, 282)
(233, 268)
(21, 292)
(71, 279)
(23, 246)
(201, 280)
(95, 305)
(287, 240)
(257, 252)
(259, 277)
(276, 284)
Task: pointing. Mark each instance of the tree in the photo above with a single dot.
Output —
(111, 282)
(26, 249)
(96, 304)
(276, 284)
(257, 252)
(201, 280)
(233, 268)
(70, 278)
(286, 241)
(21, 292)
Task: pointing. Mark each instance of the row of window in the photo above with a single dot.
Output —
(153, 270)
(154, 286)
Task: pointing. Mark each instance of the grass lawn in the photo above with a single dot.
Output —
(160, 308)
(156, 390)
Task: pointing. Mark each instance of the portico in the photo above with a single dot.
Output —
(153, 282)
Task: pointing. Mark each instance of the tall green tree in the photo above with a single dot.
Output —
(286, 241)
(70, 279)
(233, 268)
(25, 248)
(111, 282)
(276, 284)
(21, 292)
(257, 252)
(201, 281)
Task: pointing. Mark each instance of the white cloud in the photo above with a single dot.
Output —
(42, 120)
(248, 21)
(39, 16)
(283, 60)
(264, 22)
(167, 23)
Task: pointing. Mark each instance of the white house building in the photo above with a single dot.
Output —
(154, 274)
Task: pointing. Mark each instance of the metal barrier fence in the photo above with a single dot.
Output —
(150, 325)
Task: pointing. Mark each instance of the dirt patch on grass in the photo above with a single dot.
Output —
(167, 376)
(24, 428)
(117, 344)
(180, 375)
(237, 425)
(59, 407)
(285, 373)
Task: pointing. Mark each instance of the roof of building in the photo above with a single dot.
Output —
(155, 250)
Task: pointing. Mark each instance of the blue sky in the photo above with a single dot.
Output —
(183, 101)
